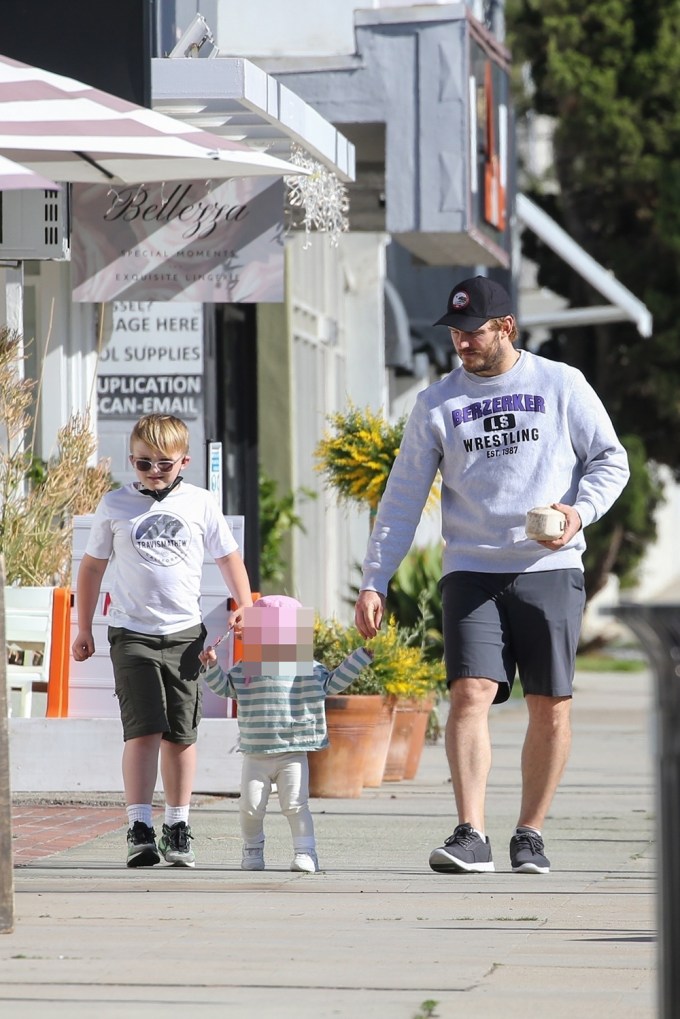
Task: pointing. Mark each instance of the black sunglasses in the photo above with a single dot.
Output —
(164, 466)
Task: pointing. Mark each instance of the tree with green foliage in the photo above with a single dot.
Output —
(607, 73)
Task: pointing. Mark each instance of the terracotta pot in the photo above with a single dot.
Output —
(338, 771)
(418, 733)
(379, 745)
(397, 755)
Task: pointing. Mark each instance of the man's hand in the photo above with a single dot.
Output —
(83, 646)
(368, 613)
(574, 525)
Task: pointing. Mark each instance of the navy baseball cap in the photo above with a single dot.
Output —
(473, 302)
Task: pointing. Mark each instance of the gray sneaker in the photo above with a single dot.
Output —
(252, 858)
(175, 845)
(464, 852)
(141, 846)
(527, 853)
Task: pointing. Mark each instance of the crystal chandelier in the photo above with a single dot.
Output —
(319, 195)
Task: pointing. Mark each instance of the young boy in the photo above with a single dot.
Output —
(155, 531)
(280, 693)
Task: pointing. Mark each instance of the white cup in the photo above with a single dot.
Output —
(544, 523)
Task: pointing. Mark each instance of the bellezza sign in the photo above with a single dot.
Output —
(187, 241)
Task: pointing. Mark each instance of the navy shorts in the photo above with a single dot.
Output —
(158, 683)
(499, 624)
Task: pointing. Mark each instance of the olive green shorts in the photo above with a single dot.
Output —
(158, 684)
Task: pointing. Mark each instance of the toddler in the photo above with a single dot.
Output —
(280, 691)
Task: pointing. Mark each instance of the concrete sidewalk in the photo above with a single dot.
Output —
(377, 934)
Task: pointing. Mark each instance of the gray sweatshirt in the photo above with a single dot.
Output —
(535, 435)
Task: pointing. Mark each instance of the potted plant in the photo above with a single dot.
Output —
(38, 500)
(412, 681)
(353, 717)
(399, 681)
(355, 457)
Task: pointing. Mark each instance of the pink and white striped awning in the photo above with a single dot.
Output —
(68, 131)
(15, 177)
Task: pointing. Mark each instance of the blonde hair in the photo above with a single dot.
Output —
(161, 432)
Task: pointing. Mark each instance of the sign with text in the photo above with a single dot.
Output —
(181, 241)
(153, 361)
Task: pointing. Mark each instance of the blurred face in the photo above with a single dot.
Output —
(486, 351)
(156, 470)
(277, 641)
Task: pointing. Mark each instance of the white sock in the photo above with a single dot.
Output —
(140, 812)
(526, 827)
(175, 814)
(304, 845)
(480, 833)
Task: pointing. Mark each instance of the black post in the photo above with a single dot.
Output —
(658, 628)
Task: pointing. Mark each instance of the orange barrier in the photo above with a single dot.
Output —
(60, 654)
(238, 644)
(232, 604)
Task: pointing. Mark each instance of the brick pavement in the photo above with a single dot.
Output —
(42, 829)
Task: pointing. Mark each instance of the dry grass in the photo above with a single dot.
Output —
(38, 499)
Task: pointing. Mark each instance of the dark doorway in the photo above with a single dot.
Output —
(235, 421)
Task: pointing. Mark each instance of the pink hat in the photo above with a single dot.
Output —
(277, 601)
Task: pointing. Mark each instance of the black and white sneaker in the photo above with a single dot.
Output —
(527, 853)
(464, 852)
(175, 845)
(141, 846)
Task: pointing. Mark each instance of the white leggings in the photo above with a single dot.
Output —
(291, 774)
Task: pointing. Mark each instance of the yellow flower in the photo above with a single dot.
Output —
(356, 458)
(401, 667)
(398, 668)
(357, 455)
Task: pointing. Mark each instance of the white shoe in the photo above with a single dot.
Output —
(252, 858)
(306, 863)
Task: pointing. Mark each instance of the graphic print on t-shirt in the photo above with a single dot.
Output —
(501, 423)
(162, 538)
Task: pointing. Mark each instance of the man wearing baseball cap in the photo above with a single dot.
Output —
(507, 430)
(473, 302)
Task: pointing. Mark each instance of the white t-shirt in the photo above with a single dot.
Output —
(156, 552)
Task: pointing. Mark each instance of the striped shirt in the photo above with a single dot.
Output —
(282, 714)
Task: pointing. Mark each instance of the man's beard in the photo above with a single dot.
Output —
(489, 360)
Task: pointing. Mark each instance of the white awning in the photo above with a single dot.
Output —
(624, 306)
(236, 99)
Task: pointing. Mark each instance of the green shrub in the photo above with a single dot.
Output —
(278, 517)
(415, 601)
